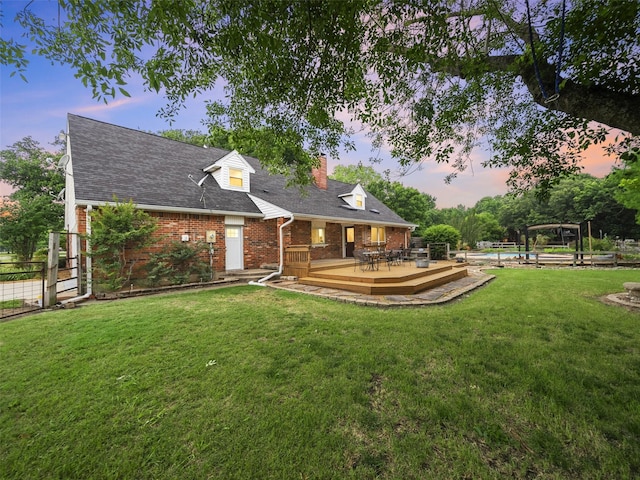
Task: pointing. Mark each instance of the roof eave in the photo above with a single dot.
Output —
(164, 208)
(345, 220)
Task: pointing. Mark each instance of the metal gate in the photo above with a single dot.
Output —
(65, 272)
(22, 287)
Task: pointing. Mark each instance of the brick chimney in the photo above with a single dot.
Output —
(320, 173)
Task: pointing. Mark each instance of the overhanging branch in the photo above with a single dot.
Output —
(616, 109)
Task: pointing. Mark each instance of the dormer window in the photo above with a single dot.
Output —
(232, 172)
(355, 198)
(235, 177)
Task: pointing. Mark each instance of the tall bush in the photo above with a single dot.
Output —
(119, 233)
(177, 263)
(442, 234)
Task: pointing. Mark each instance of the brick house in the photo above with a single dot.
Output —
(220, 197)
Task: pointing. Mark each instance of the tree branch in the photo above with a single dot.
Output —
(615, 109)
(597, 103)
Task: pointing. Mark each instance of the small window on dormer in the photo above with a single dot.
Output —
(359, 200)
(235, 177)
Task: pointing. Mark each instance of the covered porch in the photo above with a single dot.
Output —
(400, 278)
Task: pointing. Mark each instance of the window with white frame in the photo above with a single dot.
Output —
(235, 177)
(318, 233)
(359, 200)
(378, 235)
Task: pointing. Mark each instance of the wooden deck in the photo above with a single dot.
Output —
(404, 279)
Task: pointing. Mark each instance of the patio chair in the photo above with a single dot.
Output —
(406, 255)
(361, 260)
(393, 257)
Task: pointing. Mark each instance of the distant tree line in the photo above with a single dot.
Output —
(579, 198)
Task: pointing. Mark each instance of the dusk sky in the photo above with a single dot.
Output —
(39, 108)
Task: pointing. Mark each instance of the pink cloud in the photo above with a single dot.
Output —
(5, 189)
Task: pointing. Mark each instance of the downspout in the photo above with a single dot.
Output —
(88, 269)
(281, 267)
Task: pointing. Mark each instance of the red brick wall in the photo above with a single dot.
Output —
(261, 242)
(300, 232)
(333, 245)
(395, 236)
(172, 226)
(261, 238)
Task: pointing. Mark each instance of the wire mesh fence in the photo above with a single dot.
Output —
(22, 287)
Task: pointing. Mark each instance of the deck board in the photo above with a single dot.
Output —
(404, 279)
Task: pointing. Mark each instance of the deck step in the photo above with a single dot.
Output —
(383, 275)
(397, 286)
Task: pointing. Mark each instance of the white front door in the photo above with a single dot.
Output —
(234, 259)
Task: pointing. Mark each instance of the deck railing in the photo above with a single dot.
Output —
(297, 260)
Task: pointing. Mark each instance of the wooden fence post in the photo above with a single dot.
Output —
(80, 270)
(50, 297)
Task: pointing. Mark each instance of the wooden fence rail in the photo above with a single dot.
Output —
(573, 258)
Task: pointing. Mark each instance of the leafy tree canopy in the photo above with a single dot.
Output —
(628, 181)
(474, 225)
(193, 137)
(24, 225)
(576, 199)
(37, 204)
(410, 203)
(428, 78)
(354, 174)
(29, 168)
(217, 137)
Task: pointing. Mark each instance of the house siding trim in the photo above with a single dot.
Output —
(156, 208)
(352, 221)
(269, 209)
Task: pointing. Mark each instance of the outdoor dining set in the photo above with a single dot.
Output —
(371, 258)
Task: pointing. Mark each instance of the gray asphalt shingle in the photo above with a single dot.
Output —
(150, 170)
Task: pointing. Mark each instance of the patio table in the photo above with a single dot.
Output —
(373, 258)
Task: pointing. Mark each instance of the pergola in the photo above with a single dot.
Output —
(550, 226)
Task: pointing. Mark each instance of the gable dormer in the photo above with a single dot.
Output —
(232, 172)
(356, 198)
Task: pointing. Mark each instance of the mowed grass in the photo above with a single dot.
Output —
(529, 377)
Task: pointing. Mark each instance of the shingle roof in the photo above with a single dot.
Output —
(154, 171)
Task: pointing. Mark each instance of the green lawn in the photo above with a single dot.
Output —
(528, 377)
